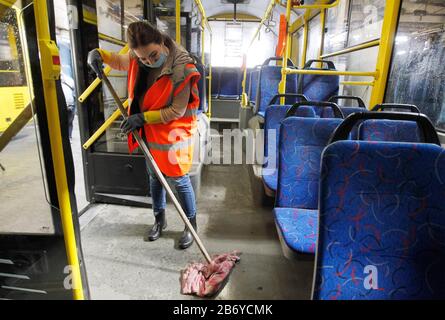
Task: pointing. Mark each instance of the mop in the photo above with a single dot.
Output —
(200, 279)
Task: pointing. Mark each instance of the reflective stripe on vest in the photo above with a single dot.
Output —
(171, 146)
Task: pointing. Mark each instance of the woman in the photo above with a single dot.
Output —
(163, 96)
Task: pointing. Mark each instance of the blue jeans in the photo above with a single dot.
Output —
(183, 188)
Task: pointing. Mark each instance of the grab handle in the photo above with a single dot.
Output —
(359, 100)
(427, 128)
(337, 111)
(401, 106)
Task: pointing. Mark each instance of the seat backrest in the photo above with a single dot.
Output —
(269, 78)
(329, 113)
(254, 78)
(389, 130)
(426, 132)
(318, 87)
(248, 75)
(301, 143)
(202, 88)
(356, 104)
(382, 222)
(272, 120)
(230, 82)
(215, 84)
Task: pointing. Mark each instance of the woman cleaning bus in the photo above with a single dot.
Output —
(163, 102)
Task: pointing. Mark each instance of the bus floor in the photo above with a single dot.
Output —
(121, 264)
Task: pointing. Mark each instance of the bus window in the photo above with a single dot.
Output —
(13, 89)
(112, 22)
(314, 38)
(366, 20)
(356, 61)
(19, 179)
(418, 72)
(336, 31)
(11, 61)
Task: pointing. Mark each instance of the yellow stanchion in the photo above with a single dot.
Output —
(116, 114)
(50, 72)
(97, 81)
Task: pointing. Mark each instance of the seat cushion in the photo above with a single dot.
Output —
(298, 227)
(271, 179)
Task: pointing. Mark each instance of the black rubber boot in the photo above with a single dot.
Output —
(159, 225)
(187, 238)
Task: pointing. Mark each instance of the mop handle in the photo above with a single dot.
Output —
(158, 172)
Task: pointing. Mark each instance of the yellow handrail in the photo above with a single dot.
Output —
(116, 114)
(97, 81)
(317, 6)
(357, 83)
(50, 72)
(374, 74)
(266, 16)
(178, 21)
(387, 36)
(203, 14)
(282, 84)
(305, 42)
(111, 39)
(323, 26)
(209, 111)
(352, 49)
(205, 21)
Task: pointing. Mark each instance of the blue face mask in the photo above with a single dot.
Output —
(157, 64)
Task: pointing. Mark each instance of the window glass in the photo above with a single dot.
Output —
(20, 167)
(417, 72)
(366, 21)
(297, 45)
(355, 61)
(11, 59)
(111, 24)
(227, 42)
(336, 34)
(109, 20)
(314, 38)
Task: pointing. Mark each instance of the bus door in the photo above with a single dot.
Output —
(111, 174)
(40, 249)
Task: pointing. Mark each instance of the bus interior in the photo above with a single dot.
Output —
(319, 150)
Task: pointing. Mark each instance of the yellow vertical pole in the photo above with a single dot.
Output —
(202, 43)
(243, 83)
(282, 85)
(387, 37)
(323, 26)
(50, 72)
(178, 22)
(305, 36)
(210, 77)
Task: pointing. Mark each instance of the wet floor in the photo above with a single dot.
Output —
(122, 265)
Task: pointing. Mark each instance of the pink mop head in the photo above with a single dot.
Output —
(204, 280)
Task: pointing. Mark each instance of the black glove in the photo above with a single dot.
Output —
(133, 122)
(95, 62)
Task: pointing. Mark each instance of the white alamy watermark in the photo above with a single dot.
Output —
(68, 281)
(370, 282)
(232, 146)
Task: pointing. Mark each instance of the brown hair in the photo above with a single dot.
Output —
(141, 33)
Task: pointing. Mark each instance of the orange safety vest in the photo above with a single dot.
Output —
(171, 144)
